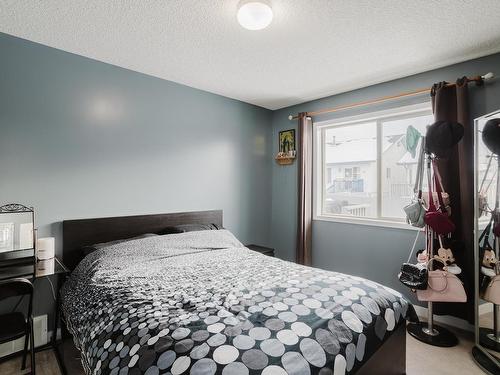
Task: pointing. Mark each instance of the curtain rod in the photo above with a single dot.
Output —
(478, 79)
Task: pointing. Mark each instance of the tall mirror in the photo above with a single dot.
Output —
(487, 242)
(17, 237)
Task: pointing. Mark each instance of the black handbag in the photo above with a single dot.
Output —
(413, 277)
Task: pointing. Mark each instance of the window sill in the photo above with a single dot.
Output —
(369, 222)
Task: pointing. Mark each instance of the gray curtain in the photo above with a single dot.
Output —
(304, 226)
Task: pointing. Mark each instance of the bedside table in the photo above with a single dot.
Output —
(261, 249)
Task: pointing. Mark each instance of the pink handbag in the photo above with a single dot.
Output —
(492, 292)
(442, 286)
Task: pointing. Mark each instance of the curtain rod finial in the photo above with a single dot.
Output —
(488, 76)
(290, 117)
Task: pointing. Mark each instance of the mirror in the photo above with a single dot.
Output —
(487, 243)
(17, 237)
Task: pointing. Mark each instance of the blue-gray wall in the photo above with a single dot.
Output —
(372, 252)
(81, 139)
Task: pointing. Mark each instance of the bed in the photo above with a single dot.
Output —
(202, 303)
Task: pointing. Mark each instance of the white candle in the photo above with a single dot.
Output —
(45, 248)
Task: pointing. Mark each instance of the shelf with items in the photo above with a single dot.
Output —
(285, 159)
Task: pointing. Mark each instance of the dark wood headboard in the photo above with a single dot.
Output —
(85, 232)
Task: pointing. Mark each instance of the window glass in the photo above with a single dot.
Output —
(350, 154)
(368, 171)
(400, 165)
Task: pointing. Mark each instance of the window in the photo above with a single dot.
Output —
(363, 170)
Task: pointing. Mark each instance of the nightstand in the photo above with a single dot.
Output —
(261, 249)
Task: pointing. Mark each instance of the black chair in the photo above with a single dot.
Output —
(16, 324)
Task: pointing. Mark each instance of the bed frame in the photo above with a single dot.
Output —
(389, 359)
(85, 232)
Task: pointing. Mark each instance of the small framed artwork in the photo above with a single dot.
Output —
(287, 142)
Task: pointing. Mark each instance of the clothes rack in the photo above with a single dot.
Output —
(428, 332)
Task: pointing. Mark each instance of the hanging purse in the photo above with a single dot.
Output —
(483, 192)
(412, 276)
(492, 292)
(496, 222)
(485, 237)
(415, 211)
(490, 285)
(436, 218)
(435, 197)
(488, 260)
(442, 286)
(482, 204)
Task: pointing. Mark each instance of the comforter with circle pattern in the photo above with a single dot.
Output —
(201, 303)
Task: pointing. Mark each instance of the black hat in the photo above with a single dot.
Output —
(491, 135)
(442, 136)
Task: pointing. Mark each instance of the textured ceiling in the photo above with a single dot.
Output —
(313, 48)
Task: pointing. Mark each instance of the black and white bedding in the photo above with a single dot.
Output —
(202, 303)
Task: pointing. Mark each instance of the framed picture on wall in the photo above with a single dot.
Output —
(287, 142)
(6, 237)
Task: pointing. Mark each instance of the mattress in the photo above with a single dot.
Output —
(202, 303)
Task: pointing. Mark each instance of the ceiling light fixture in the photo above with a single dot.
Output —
(254, 15)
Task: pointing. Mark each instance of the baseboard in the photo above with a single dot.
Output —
(445, 319)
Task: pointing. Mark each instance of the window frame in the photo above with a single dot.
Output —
(401, 112)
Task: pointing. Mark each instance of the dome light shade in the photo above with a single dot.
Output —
(255, 15)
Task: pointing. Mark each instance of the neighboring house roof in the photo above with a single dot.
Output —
(408, 159)
(357, 151)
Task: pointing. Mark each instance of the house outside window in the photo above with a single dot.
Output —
(363, 171)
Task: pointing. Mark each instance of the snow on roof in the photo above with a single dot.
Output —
(357, 150)
(408, 159)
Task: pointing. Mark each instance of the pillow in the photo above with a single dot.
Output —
(190, 228)
(86, 250)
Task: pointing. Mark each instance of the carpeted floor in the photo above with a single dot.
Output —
(425, 359)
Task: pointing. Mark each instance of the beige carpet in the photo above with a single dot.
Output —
(421, 359)
(425, 359)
